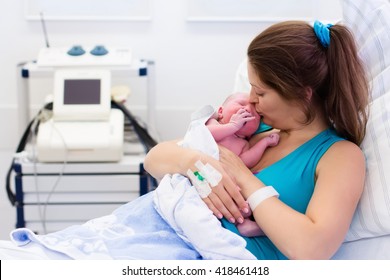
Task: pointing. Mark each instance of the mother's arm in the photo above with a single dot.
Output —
(169, 158)
(319, 232)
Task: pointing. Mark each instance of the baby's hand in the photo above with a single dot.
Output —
(241, 117)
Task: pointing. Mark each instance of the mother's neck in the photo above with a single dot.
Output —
(306, 131)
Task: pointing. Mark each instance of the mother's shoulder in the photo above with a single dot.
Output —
(342, 152)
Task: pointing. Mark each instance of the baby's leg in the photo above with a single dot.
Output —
(249, 228)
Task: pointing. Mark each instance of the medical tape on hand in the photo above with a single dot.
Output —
(200, 183)
(211, 174)
(260, 195)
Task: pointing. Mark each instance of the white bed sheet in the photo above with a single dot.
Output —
(377, 248)
(31, 251)
(364, 249)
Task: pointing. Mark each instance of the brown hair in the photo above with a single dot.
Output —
(289, 58)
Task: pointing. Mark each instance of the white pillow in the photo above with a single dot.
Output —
(241, 83)
(369, 20)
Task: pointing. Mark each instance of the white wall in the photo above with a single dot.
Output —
(195, 61)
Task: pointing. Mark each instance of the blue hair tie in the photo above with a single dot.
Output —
(322, 32)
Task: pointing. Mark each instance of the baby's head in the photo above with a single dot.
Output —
(231, 105)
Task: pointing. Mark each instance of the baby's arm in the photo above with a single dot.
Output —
(220, 131)
(252, 155)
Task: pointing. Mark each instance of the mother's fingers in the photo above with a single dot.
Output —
(232, 197)
(239, 201)
(225, 203)
(218, 207)
(225, 199)
(213, 208)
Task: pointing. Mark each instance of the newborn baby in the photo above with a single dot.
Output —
(231, 126)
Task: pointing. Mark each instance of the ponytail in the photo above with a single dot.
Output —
(346, 104)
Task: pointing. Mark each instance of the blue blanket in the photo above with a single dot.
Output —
(133, 231)
(169, 223)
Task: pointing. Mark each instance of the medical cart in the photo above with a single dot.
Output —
(52, 196)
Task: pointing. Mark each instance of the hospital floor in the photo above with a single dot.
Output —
(7, 212)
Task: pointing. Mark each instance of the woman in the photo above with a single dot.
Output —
(309, 85)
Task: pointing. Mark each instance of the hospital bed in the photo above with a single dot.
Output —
(113, 236)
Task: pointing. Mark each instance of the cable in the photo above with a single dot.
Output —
(143, 135)
(20, 148)
(33, 141)
(43, 205)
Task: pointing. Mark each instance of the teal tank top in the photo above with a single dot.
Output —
(294, 178)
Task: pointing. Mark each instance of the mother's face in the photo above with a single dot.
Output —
(275, 110)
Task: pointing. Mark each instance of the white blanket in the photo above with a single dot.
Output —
(181, 207)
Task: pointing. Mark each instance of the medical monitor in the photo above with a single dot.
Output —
(82, 95)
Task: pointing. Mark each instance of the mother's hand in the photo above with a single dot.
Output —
(233, 165)
(226, 199)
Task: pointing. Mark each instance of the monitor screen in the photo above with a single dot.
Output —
(82, 91)
(82, 94)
